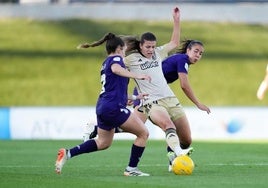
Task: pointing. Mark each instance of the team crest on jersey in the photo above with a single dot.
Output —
(186, 66)
(116, 59)
(124, 110)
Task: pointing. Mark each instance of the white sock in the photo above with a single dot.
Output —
(173, 141)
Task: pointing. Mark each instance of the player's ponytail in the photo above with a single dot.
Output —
(112, 42)
(106, 37)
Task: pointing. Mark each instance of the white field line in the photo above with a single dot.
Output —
(97, 166)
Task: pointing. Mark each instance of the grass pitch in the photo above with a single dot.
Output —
(31, 164)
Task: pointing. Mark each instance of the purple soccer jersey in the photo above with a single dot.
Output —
(111, 106)
(174, 64)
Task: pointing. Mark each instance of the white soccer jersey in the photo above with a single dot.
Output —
(158, 87)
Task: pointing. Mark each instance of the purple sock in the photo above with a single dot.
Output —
(86, 147)
(136, 153)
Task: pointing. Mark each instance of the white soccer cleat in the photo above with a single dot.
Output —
(61, 159)
(135, 172)
(171, 156)
(90, 131)
(169, 168)
(187, 151)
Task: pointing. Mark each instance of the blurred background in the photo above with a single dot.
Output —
(49, 88)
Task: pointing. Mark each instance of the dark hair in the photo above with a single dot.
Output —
(133, 43)
(188, 44)
(112, 42)
(147, 36)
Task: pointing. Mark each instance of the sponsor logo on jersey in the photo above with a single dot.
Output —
(148, 65)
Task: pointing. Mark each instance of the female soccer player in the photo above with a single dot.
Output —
(161, 106)
(111, 109)
(176, 67)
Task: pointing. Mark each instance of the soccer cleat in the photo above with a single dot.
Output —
(171, 156)
(135, 172)
(187, 151)
(61, 159)
(90, 131)
(169, 168)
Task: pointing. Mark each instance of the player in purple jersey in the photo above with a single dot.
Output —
(111, 109)
(176, 67)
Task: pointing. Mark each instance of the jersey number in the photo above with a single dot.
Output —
(103, 81)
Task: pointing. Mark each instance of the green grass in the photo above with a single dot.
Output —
(39, 63)
(31, 164)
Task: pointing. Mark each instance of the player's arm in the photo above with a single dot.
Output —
(175, 37)
(263, 86)
(117, 69)
(185, 86)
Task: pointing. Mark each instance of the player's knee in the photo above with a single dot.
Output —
(103, 145)
(144, 135)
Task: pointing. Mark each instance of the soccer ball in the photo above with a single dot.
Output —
(183, 165)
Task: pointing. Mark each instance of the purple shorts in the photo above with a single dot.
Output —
(113, 119)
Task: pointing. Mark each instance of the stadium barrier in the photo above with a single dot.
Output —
(253, 13)
(224, 123)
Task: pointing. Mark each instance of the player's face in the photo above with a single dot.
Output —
(147, 48)
(195, 53)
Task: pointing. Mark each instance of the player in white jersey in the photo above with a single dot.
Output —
(151, 67)
(161, 107)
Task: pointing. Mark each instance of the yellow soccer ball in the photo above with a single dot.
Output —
(183, 165)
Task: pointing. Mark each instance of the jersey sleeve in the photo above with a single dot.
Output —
(182, 65)
(162, 50)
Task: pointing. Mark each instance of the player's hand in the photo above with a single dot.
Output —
(176, 14)
(142, 96)
(204, 108)
(129, 102)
